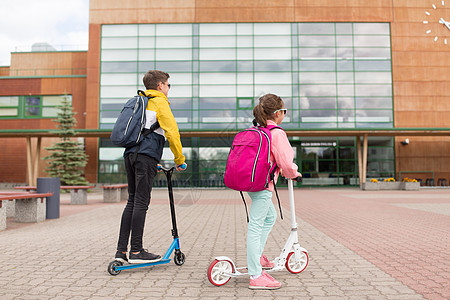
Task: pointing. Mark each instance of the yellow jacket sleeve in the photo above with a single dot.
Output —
(169, 125)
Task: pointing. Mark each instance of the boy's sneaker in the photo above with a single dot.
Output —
(143, 257)
(265, 262)
(122, 257)
(264, 282)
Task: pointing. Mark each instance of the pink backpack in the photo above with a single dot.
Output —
(248, 165)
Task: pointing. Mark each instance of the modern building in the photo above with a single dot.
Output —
(345, 70)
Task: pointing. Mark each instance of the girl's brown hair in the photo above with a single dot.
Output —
(267, 105)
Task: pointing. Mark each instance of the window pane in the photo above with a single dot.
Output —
(50, 111)
(273, 78)
(275, 65)
(344, 41)
(147, 42)
(245, 90)
(217, 54)
(173, 67)
(372, 41)
(316, 41)
(217, 103)
(173, 29)
(265, 41)
(273, 53)
(373, 90)
(8, 112)
(316, 28)
(373, 77)
(217, 42)
(371, 28)
(217, 78)
(180, 91)
(272, 28)
(370, 65)
(119, 43)
(55, 100)
(318, 103)
(373, 102)
(118, 91)
(317, 77)
(119, 55)
(317, 90)
(376, 53)
(217, 29)
(119, 79)
(119, 30)
(174, 54)
(217, 90)
(119, 67)
(328, 53)
(9, 101)
(224, 66)
(179, 78)
(344, 28)
(146, 29)
(317, 65)
(245, 41)
(173, 42)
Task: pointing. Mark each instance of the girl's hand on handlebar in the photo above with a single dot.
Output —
(181, 167)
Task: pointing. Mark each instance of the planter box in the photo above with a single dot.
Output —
(370, 186)
(410, 186)
(389, 185)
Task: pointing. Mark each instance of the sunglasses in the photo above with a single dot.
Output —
(284, 110)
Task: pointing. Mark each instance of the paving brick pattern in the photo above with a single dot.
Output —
(67, 258)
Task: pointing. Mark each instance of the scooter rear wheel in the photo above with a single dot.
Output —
(296, 266)
(112, 267)
(216, 272)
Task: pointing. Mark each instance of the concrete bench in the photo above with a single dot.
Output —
(115, 193)
(30, 207)
(78, 193)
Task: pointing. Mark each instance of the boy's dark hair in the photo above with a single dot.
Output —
(153, 77)
(268, 104)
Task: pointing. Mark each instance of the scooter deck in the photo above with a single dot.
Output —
(134, 266)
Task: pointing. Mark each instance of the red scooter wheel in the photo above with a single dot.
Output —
(297, 266)
(218, 270)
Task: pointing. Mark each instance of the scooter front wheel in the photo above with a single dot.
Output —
(217, 270)
(296, 266)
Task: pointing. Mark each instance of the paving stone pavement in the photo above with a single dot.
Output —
(348, 234)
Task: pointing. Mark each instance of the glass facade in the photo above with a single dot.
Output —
(330, 75)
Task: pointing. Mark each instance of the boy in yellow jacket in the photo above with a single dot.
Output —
(142, 167)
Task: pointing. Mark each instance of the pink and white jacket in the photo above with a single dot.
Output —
(282, 153)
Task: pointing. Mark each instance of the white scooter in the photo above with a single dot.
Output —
(292, 256)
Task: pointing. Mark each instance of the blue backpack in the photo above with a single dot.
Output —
(129, 130)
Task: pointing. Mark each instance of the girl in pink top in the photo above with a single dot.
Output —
(269, 111)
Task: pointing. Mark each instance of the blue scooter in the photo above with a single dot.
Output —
(115, 267)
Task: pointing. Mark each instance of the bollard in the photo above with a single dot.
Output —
(50, 185)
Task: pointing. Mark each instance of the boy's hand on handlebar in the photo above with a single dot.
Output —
(159, 167)
(181, 167)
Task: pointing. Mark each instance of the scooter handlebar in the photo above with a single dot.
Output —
(164, 168)
(298, 179)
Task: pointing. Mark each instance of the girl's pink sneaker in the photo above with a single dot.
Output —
(265, 262)
(264, 282)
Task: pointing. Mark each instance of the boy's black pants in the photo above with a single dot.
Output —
(140, 175)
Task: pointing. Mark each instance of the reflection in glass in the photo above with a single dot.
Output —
(317, 41)
(275, 65)
(318, 103)
(316, 28)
